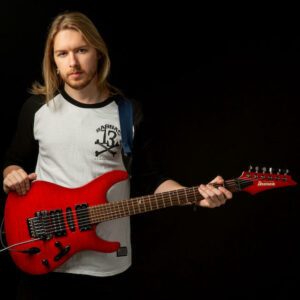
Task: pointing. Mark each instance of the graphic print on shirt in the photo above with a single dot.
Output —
(109, 140)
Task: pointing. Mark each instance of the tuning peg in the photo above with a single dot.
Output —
(271, 170)
(257, 169)
(286, 171)
(279, 172)
(264, 169)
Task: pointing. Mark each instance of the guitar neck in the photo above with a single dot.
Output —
(139, 205)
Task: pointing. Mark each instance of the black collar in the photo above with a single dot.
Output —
(84, 105)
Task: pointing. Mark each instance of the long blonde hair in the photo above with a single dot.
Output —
(81, 23)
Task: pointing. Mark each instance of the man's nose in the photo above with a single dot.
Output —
(73, 62)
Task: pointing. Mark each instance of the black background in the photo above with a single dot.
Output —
(220, 86)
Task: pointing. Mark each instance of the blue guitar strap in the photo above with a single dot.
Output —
(126, 123)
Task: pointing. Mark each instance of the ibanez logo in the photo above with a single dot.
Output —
(261, 183)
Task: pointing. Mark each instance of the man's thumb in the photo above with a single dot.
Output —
(32, 176)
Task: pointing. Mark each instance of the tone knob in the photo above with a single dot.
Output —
(58, 244)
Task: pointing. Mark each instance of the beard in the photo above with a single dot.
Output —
(80, 83)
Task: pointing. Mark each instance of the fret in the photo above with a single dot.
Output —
(95, 210)
(196, 194)
(138, 202)
(105, 210)
(170, 198)
(163, 199)
(157, 205)
(180, 196)
(160, 200)
(178, 199)
(116, 210)
(175, 197)
(150, 202)
(100, 211)
(91, 215)
(186, 196)
(135, 207)
(154, 202)
(144, 204)
(127, 205)
(114, 207)
(164, 204)
(122, 204)
(117, 206)
(132, 206)
(109, 209)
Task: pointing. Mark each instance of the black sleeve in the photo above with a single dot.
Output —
(147, 172)
(23, 149)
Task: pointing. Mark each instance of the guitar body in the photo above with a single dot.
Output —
(20, 212)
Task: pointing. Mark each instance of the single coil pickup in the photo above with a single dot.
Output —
(70, 219)
(83, 219)
(58, 223)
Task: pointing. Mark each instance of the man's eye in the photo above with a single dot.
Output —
(82, 50)
(61, 53)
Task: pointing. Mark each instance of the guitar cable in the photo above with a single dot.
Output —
(32, 250)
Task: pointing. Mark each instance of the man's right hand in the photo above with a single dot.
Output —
(18, 181)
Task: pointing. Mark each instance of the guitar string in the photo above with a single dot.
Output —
(229, 183)
(107, 212)
(151, 197)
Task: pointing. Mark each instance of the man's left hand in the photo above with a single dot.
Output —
(214, 197)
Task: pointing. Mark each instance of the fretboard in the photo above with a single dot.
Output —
(139, 205)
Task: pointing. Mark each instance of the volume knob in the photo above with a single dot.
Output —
(45, 262)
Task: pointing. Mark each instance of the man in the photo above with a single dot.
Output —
(70, 130)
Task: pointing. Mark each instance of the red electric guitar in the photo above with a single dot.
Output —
(51, 223)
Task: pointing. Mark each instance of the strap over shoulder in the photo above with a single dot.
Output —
(126, 123)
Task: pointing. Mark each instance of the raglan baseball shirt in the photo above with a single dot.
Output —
(70, 144)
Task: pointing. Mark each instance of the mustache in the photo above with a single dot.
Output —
(75, 70)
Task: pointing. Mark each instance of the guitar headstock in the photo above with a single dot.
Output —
(258, 181)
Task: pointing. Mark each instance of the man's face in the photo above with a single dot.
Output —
(76, 61)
